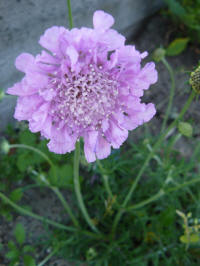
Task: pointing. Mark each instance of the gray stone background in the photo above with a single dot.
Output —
(23, 21)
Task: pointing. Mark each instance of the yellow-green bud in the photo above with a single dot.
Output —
(195, 80)
(158, 54)
(2, 94)
(185, 129)
(5, 147)
(91, 254)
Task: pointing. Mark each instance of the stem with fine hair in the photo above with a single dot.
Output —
(33, 215)
(70, 14)
(44, 261)
(171, 95)
(149, 157)
(54, 189)
(77, 189)
(48, 257)
(161, 193)
(105, 180)
(23, 211)
(24, 146)
(65, 205)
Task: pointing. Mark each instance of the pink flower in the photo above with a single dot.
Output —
(88, 85)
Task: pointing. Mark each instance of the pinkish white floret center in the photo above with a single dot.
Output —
(83, 100)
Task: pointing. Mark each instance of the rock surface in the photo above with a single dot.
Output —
(23, 21)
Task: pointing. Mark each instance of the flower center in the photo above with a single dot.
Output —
(83, 100)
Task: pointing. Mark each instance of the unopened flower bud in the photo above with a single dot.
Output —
(91, 254)
(5, 147)
(2, 94)
(185, 129)
(158, 54)
(195, 80)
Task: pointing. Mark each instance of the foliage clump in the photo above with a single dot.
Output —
(187, 14)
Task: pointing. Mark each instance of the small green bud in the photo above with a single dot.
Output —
(158, 54)
(2, 94)
(195, 80)
(185, 129)
(91, 254)
(146, 141)
(5, 147)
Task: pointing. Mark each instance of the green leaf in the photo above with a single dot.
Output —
(20, 233)
(12, 255)
(6, 213)
(29, 261)
(24, 160)
(16, 195)
(185, 129)
(27, 249)
(62, 177)
(14, 263)
(193, 238)
(176, 8)
(12, 246)
(177, 46)
(26, 137)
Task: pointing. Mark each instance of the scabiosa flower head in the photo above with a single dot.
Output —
(88, 85)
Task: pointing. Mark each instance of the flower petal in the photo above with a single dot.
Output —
(61, 142)
(103, 148)
(26, 106)
(116, 135)
(112, 39)
(90, 140)
(149, 112)
(102, 21)
(147, 76)
(22, 89)
(89, 154)
(50, 38)
(73, 55)
(47, 128)
(23, 61)
(38, 118)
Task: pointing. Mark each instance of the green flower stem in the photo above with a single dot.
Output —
(145, 202)
(171, 145)
(77, 189)
(105, 180)
(185, 184)
(149, 157)
(46, 220)
(32, 186)
(42, 263)
(161, 193)
(54, 189)
(65, 205)
(70, 14)
(24, 146)
(171, 95)
(156, 146)
(33, 215)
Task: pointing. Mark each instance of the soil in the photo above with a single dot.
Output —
(154, 32)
